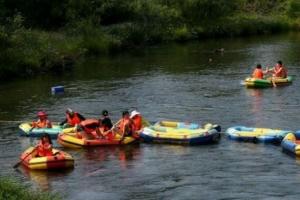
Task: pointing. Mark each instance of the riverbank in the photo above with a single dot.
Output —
(11, 189)
(53, 42)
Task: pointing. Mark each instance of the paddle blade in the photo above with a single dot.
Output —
(16, 165)
(242, 82)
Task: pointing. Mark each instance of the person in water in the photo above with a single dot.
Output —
(258, 72)
(44, 147)
(126, 125)
(42, 122)
(72, 118)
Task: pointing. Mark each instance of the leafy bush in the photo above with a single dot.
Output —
(12, 190)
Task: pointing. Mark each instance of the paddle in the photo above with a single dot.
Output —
(10, 121)
(112, 128)
(17, 164)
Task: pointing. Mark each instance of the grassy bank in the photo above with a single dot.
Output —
(12, 190)
(38, 37)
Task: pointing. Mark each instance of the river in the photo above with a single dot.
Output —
(172, 81)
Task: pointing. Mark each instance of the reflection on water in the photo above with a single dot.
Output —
(42, 178)
(123, 154)
(256, 96)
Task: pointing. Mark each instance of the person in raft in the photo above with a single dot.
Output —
(105, 129)
(279, 71)
(42, 122)
(72, 118)
(137, 121)
(44, 147)
(126, 125)
(258, 72)
(105, 121)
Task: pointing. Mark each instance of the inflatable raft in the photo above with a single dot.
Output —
(27, 130)
(181, 133)
(73, 140)
(59, 160)
(264, 83)
(247, 134)
(291, 143)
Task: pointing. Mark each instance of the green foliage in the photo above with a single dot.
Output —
(293, 9)
(263, 7)
(40, 36)
(12, 190)
(200, 11)
(27, 52)
(182, 34)
(46, 14)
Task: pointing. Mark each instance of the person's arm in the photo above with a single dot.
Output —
(49, 124)
(63, 122)
(109, 123)
(33, 124)
(80, 117)
(277, 72)
(48, 146)
(253, 73)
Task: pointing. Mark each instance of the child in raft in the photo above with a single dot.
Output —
(44, 147)
(42, 122)
(105, 126)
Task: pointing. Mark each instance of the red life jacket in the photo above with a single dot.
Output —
(44, 149)
(74, 120)
(137, 120)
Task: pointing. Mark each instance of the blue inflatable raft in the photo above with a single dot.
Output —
(248, 134)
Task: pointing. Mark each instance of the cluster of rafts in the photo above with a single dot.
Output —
(160, 132)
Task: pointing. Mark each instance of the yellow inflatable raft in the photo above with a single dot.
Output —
(181, 133)
(59, 160)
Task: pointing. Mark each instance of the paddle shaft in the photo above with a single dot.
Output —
(17, 164)
(112, 128)
(10, 121)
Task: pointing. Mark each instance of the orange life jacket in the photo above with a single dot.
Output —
(258, 73)
(137, 120)
(74, 120)
(42, 124)
(281, 72)
(44, 149)
(127, 126)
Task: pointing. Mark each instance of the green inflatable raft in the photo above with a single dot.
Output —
(264, 83)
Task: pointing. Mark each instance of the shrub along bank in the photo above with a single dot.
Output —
(50, 35)
(12, 190)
